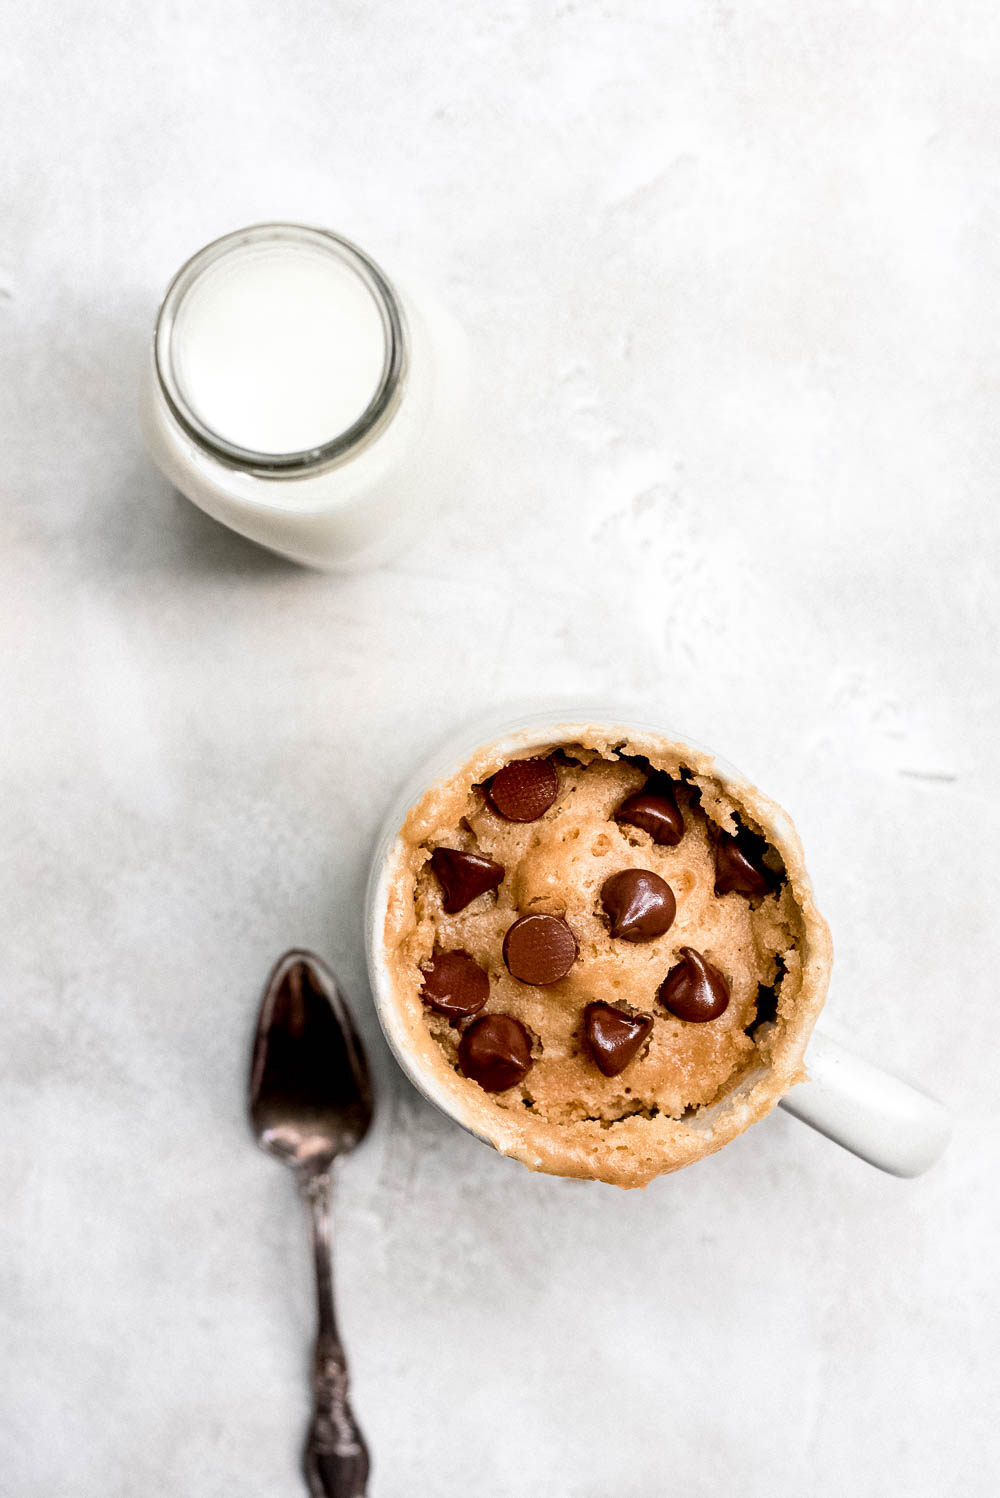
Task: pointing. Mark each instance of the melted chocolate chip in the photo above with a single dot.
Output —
(495, 1051)
(524, 790)
(463, 876)
(539, 949)
(640, 906)
(734, 870)
(455, 985)
(614, 1036)
(655, 810)
(694, 990)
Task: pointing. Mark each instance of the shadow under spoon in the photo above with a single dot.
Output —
(310, 1102)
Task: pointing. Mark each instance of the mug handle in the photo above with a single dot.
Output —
(877, 1116)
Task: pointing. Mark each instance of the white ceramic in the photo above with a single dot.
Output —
(874, 1114)
(297, 395)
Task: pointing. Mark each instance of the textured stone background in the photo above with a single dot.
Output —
(730, 274)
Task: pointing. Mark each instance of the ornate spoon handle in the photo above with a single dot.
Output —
(335, 1460)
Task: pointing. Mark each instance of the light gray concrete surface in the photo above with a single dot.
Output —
(730, 273)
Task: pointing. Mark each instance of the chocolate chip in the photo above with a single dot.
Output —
(639, 904)
(463, 876)
(455, 984)
(614, 1035)
(694, 990)
(524, 790)
(734, 870)
(539, 949)
(655, 810)
(495, 1051)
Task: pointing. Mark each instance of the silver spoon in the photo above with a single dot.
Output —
(310, 1101)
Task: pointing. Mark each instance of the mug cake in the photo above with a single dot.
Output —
(600, 953)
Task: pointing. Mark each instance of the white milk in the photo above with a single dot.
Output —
(297, 396)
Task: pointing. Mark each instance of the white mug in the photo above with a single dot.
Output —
(894, 1126)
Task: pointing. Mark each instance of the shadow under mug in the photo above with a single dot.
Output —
(876, 1115)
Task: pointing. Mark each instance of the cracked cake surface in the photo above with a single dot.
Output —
(606, 951)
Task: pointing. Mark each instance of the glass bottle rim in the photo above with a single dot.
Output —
(376, 414)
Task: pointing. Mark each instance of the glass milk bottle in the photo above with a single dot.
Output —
(299, 397)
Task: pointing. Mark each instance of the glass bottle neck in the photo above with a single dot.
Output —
(280, 328)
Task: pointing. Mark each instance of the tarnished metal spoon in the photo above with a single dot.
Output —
(310, 1101)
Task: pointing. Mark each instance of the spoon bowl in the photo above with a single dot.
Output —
(310, 1091)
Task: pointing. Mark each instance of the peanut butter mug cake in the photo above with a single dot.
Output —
(601, 953)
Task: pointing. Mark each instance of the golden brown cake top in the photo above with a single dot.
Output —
(598, 943)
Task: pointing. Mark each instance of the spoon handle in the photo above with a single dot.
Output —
(335, 1460)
